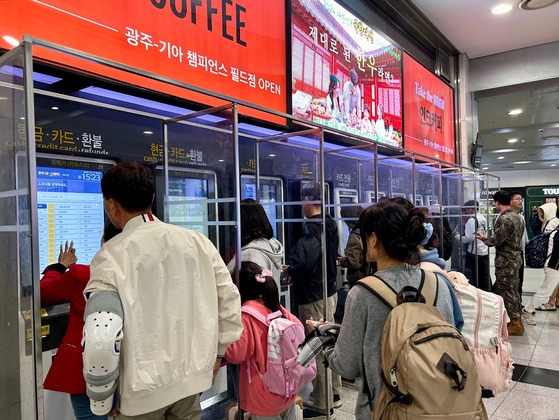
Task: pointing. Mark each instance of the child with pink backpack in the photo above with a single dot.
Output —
(269, 376)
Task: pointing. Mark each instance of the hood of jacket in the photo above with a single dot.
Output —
(271, 247)
(549, 211)
(431, 256)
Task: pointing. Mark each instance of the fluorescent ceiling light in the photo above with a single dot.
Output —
(38, 77)
(515, 112)
(501, 8)
(522, 162)
(272, 155)
(512, 140)
(485, 168)
(148, 132)
(54, 108)
(553, 164)
(10, 40)
(501, 157)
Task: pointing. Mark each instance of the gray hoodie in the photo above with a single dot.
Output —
(267, 253)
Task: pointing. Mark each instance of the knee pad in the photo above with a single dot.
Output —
(102, 334)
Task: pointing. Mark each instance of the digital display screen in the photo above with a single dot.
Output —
(192, 216)
(268, 199)
(345, 75)
(70, 208)
(429, 109)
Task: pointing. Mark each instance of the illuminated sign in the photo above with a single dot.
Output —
(231, 47)
(345, 74)
(429, 112)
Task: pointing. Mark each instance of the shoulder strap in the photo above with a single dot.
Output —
(380, 289)
(247, 309)
(429, 288)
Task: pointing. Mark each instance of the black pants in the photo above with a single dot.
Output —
(480, 278)
(521, 278)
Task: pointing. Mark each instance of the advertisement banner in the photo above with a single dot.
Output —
(429, 112)
(230, 47)
(345, 75)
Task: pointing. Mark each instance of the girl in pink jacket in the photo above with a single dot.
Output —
(259, 290)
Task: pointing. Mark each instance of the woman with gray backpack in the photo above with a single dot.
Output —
(416, 310)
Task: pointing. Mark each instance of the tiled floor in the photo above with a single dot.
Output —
(536, 395)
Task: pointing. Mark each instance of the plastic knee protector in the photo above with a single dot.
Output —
(102, 335)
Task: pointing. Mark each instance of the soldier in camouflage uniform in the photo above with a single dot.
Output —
(506, 239)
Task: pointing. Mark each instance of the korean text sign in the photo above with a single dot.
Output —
(345, 75)
(428, 112)
(232, 47)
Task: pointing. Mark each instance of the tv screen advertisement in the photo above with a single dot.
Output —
(429, 113)
(345, 75)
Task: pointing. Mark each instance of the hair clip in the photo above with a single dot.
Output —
(261, 278)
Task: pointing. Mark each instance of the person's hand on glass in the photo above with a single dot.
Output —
(67, 255)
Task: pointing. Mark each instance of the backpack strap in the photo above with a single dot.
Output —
(428, 287)
(380, 289)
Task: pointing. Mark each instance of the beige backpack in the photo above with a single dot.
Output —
(428, 371)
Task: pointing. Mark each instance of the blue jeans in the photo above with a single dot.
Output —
(80, 404)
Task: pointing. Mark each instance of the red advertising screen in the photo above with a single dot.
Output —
(429, 112)
(230, 47)
(345, 74)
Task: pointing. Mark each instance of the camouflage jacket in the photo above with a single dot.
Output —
(506, 239)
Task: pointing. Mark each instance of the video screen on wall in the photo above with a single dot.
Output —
(345, 75)
(70, 208)
(429, 111)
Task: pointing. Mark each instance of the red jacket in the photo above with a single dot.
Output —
(65, 374)
(255, 397)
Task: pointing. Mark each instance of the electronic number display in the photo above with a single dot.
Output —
(70, 208)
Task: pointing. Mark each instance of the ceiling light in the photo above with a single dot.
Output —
(10, 40)
(3, 98)
(501, 8)
(221, 160)
(485, 168)
(522, 162)
(148, 132)
(515, 112)
(501, 157)
(553, 164)
(512, 140)
(55, 108)
(272, 155)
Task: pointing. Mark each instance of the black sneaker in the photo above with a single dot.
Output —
(315, 415)
(337, 401)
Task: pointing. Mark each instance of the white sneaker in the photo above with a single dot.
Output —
(528, 318)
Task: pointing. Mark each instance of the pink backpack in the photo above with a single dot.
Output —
(283, 376)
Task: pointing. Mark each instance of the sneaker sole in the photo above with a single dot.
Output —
(337, 404)
(528, 322)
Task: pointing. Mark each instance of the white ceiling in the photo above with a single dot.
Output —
(474, 30)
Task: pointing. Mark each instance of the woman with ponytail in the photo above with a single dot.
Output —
(258, 289)
(390, 232)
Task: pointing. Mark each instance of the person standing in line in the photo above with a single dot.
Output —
(549, 216)
(179, 305)
(516, 204)
(304, 267)
(257, 240)
(62, 282)
(258, 291)
(507, 239)
(353, 259)
(475, 248)
(391, 234)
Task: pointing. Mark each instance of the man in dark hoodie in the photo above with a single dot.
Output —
(304, 267)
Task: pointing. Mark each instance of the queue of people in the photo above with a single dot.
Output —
(180, 310)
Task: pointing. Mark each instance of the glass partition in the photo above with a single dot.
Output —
(19, 371)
